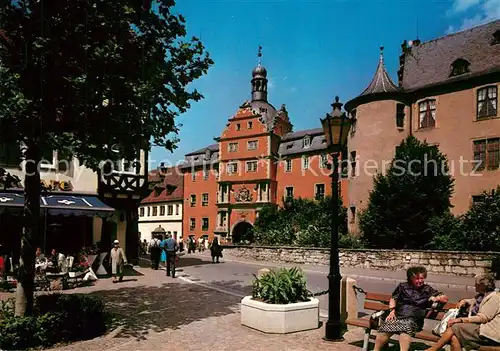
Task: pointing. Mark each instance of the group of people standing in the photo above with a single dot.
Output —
(165, 250)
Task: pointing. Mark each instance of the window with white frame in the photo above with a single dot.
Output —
(252, 144)
(204, 199)
(319, 191)
(141, 212)
(162, 210)
(49, 160)
(250, 124)
(323, 161)
(232, 147)
(232, 168)
(192, 200)
(170, 210)
(204, 223)
(251, 166)
(289, 192)
(205, 174)
(288, 165)
(124, 166)
(307, 141)
(193, 176)
(192, 223)
(427, 113)
(305, 162)
(487, 102)
(177, 210)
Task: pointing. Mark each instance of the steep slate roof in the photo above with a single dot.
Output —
(172, 187)
(292, 143)
(381, 82)
(430, 62)
(212, 147)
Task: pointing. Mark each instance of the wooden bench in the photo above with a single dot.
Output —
(378, 302)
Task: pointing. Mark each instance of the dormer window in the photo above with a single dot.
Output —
(459, 66)
(307, 141)
(496, 38)
(207, 154)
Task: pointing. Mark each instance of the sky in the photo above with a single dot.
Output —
(312, 50)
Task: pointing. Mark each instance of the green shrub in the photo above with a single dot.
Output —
(281, 286)
(57, 318)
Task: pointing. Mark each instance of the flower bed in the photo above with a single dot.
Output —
(57, 318)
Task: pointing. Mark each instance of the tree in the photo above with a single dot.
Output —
(476, 230)
(88, 78)
(302, 222)
(416, 188)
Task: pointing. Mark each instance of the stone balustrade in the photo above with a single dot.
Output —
(460, 263)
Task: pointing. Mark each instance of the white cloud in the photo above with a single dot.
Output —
(463, 5)
(485, 11)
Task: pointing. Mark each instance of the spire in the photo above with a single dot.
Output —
(381, 82)
(259, 80)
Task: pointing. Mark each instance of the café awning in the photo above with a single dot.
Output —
(76, 205)
(62, 204)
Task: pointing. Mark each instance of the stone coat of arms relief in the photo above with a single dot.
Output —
(243, 195)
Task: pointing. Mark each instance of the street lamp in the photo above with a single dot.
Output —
(336, 128)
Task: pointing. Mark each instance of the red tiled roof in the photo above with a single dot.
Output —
(171, 188)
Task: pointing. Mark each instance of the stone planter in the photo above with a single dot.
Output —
(280, 319)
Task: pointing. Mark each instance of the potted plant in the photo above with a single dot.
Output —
(280, 303)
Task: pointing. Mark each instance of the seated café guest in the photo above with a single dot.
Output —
(482, 327)
(39, 255)
(408, 308)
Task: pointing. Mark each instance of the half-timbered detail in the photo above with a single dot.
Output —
(123, 185)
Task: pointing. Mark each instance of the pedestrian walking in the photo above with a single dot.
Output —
(170, 248)
(118, 260)
(155, 251)
(216, 250)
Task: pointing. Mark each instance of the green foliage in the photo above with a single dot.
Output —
(415, 189)
(79, 75)
(302, 222)
(57, 318)
(281, 286)
(476, 230)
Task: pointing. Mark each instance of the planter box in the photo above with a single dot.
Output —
(280, 319)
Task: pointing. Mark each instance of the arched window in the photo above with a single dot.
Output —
(307, 141)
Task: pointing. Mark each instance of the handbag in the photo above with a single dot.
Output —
(377, 318)
(443, 325)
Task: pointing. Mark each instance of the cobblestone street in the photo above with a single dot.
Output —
(157, 312)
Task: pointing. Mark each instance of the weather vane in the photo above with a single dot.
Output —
(259, 54)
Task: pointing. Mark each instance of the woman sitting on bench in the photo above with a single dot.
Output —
(482, 327)
(408, 307)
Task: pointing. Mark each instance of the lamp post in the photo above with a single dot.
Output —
(336, 128)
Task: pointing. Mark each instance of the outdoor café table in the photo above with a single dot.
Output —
(57, 280)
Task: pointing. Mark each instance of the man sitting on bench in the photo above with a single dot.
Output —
(408, 308)
(482, 327)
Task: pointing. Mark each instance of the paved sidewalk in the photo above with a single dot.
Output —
(161, 313)
(438, 280)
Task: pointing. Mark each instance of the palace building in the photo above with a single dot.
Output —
(256, 160)
(447, 95)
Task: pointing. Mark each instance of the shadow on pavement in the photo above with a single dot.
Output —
(393, 346)
(235, 286)
(137, 310)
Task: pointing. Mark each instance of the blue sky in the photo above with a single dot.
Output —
(313, 51)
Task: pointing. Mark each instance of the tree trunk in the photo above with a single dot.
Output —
(30, 235)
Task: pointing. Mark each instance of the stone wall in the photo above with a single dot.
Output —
(444, 262)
